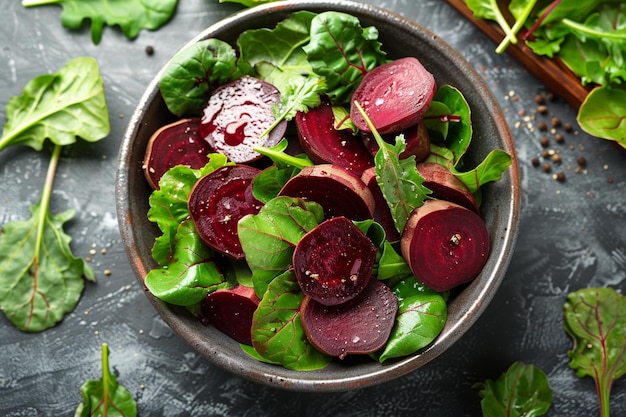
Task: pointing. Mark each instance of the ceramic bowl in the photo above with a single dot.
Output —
(501, 201)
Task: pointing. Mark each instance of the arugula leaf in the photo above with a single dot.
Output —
(130, 15)
(522, 391)
(595, 319)
(59, 107)
(603, 114)
(105, 397)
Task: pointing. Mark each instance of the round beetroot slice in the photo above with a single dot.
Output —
(178, 143)
(445, 244)
(236, 116)
(334, 261)
(230, 311)
(360, 326)
(218, 201)
(446, 186)
(394, 96)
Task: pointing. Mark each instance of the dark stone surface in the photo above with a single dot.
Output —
(572, 235)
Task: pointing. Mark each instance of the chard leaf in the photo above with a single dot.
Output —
(191, 273)
(269, 237)
(130, 15)
(459, 121)
(522, 391)
(595, 319)
(342, 52)
(105, 397)
(603, 114)
(193, 73)
(277, 333)
(59, 107)
(437, 121)
(422, 313)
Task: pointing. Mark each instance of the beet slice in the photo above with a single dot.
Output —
(338, 191)
(360, 326)
(394, 96)
(416, 138)
(445, 244)
(237, 114)
(218, 201)
(230, 311)
(325, 144)
(177, 143)
(446, 186)
(382, 214)
(334, 261)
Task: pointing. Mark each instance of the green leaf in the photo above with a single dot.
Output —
(59, 107)
(248, 3)
(422, 314)
(459, 131)
(603, 114)
(392, 265)
(277, 333)
(105, 397)
(522, 391)
(194, 72)
(269, 237)
(130, 15)
(595, 319)
(191, 274)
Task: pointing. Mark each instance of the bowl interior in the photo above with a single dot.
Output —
(501, 200)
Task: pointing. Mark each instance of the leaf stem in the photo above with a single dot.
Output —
(595, 33)
(44, 202)
(504, 25)
(511, 37)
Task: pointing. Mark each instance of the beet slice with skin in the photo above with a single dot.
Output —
(236, 116)
(446, 186)
(325, 144)
(334, 261)
(445, 244)
(360, 326)
(230, 311)
(394, 96)
(218, 201)
(382, 214)
(177, 143)
(416, 138)
(338, 191)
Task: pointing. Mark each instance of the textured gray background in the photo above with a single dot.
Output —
(571, 236)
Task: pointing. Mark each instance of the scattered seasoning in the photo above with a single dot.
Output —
(535, 161)
(149, 50)
(581, 161)
(610, 180)
(539, 99)
(560, 176)
(559, 138)
(107, 272)
(545, 141)
(556, 122)
(542, 109)
(542, 126)
(547, 167)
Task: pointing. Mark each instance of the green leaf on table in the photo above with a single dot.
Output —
(595, 319)
(277, 333)
(40, 279)
(130, 15)
(105, 397)
(522, 391)
(61, 106)
(603, 114)
(193, 73)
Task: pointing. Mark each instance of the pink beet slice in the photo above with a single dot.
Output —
(177, 143)
(325, 144)
(230, 311)
(446, 186)
(334, 261)
(338, 191)
(382, 214)
(394, 96)
(416, 138)
(445, 244)
(360, 326)
(238, 114)
(218, 201)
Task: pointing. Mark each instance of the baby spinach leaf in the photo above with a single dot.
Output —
(522, 391)
(603, 114)
(277, 332)
(391, 265)
(194, 72)
(191, 274)
(422, 313)
(59, 107)
(130, 15)
(105, 397)
(595, 319)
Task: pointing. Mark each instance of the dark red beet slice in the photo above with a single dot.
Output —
(360, 326)
(446, 186)
(394, 96)
(325, 144)
(382, 214)
(338, 191)
(237, 114)
(445, 244)
(230, 311)
(334, 261)
(416, 138)
(218, 201)
(178, 143)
